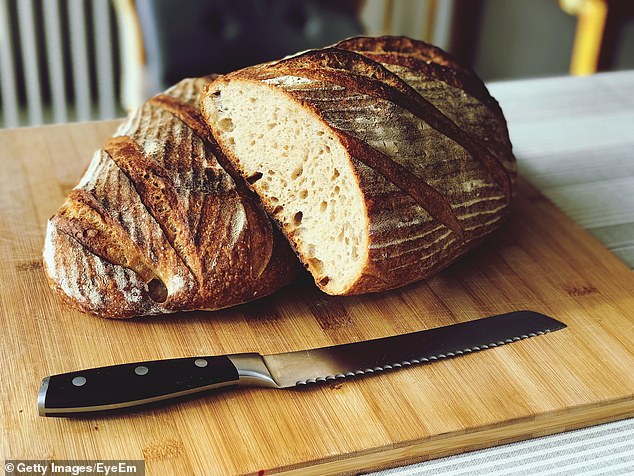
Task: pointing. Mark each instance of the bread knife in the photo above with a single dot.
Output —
(129, 385)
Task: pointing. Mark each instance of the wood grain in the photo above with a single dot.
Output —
(539, 260)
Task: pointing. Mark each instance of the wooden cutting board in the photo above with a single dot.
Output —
(540, 260)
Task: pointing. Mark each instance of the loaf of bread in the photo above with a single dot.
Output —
(159, 223)
(382, 159)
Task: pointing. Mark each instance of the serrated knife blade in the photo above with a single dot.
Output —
(128, 385)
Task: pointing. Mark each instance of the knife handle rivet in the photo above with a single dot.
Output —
(201, 363)
(79, 381)
(141, 370)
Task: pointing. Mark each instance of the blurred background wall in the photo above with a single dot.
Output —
(68, 60)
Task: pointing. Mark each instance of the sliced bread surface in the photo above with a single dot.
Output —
(302, 171)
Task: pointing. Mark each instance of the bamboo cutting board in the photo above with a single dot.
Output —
(540, 260)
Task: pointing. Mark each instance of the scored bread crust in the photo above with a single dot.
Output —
(428, 144)
(160, 222)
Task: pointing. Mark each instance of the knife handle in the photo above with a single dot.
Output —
(127, 385)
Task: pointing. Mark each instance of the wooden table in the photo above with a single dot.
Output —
(540, 260)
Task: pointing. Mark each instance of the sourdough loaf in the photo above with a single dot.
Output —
(158, 224)
(382, 159)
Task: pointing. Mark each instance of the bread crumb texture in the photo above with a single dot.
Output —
(295, 162)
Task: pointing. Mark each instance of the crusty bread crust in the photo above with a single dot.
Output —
(158, 224)
(429, 146)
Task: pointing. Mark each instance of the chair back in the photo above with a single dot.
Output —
(58, 61)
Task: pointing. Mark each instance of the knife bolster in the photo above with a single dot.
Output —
(252, 371)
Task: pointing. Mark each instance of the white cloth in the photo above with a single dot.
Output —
(599, 450)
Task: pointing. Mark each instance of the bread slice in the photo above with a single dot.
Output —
(381, 159)
(158, 224)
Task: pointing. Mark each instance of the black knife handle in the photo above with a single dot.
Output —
(127, 385)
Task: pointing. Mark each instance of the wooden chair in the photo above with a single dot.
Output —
(65, 70)
(599, 26)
